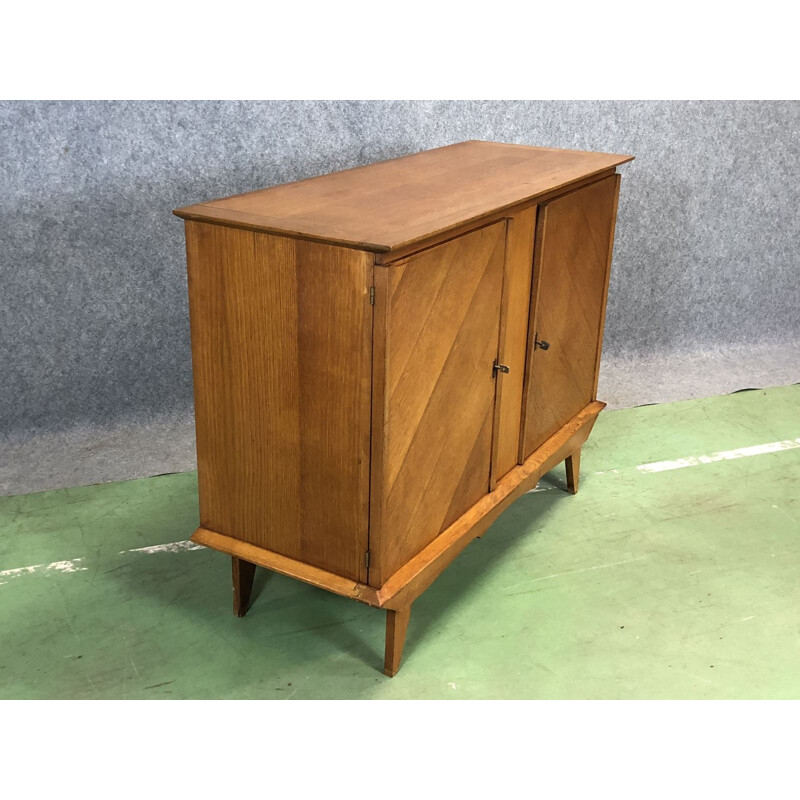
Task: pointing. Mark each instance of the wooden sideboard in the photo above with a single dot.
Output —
(386, 357)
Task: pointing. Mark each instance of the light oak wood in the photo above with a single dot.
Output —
(290, 567)
(370, 390)
(380, 321)
(388, 258)
(396, 627)
(243, 575)
(411, 580)
(440, 342)
(417, 575)
(573, 465)
(569, 280)
(602, 325)
(391, 204)
(281, 347)
(513, 341)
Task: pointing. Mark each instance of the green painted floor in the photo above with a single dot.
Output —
(650, 583)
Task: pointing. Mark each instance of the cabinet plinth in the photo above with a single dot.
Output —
(387, 357)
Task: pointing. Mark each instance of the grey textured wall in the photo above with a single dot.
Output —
(94, 318)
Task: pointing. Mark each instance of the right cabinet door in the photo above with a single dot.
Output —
(572, 256)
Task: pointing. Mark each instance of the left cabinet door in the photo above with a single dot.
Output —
(437, 316)
(282, 358)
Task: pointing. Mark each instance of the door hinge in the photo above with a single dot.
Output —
(372, 295)
(366, 559)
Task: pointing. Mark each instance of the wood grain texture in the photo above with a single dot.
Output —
(411, 580)
(513, 341)
(570, 268)
(389, 205)
(396, 628)
(380, 318)
(414, 577)
(401, 252)
(440, 314)
(351, 432)
(243, 573)
(573, 466)
(281, 348)
(617, 179)
(290, 567)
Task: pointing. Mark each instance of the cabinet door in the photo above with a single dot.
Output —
(437, 318)
(570, 280)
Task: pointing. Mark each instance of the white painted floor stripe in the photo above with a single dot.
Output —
(55, 566)
(575, 572)
(693, 461)
(723, 455)
(171, 547)
(72, 566)
(549, 486)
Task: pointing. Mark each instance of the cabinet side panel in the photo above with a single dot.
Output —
(381, 277)
(513, 340)
(441, 327)
(617, 179)
(570, 281)
(281, 346)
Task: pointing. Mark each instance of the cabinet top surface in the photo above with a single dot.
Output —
(391, 204)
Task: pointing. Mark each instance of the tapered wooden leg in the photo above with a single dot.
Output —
(243, 574)
(573, 463)
(396, 627)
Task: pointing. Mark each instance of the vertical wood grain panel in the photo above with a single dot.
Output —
(380, 330)
(617, 179)
(513, 340)
(440, 310)
(570, 273)
(281, 348)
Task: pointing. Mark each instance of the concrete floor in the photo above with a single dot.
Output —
(675, 580)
